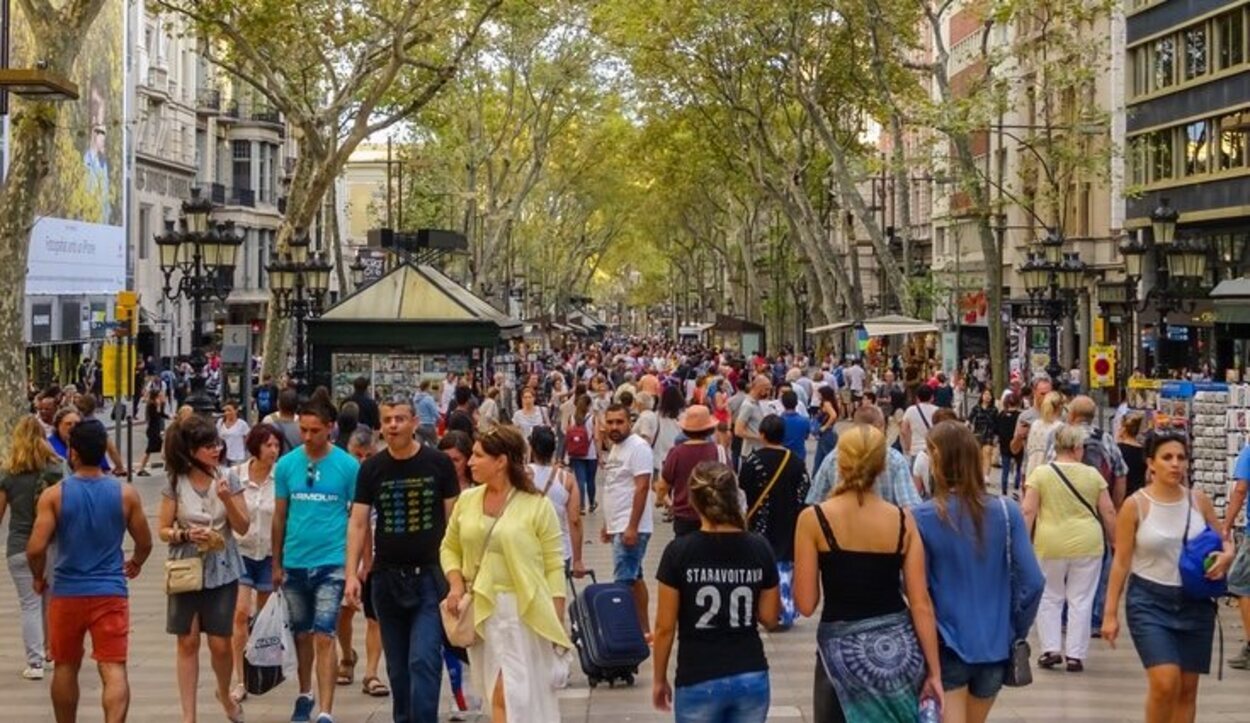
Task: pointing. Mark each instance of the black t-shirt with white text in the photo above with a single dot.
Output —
(407, 495)
(719, 576)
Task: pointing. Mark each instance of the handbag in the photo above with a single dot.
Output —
(1018, 673)
(458, 624)
(1194, 553)
(1084, 503)
(769, 488)
(185, 575)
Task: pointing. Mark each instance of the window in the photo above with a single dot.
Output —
(1195, 52)
(1231, 151)
(1160, 150)
(1230, 32)
(1136, 158)
(145, 229)
(1164, 54)
(242, 155)
(1197, 139)
(1140, 69)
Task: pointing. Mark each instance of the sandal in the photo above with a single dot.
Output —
(238, 693)
(237, 717)
(347, 670)
(372, 686)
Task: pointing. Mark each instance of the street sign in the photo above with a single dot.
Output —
(236, 343)
(1101, 366)
(112, 355)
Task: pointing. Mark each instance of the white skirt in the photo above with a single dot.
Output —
(524, 659)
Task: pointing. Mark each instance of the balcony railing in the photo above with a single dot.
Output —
(208, 99)
(223, 195)
(242, 197)
(158, 79)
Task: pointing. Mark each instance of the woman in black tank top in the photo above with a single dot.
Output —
(877, 657)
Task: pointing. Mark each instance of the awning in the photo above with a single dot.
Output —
(830, 327)
(693, 329)
(894, 324)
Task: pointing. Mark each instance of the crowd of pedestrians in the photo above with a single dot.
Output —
(452, 518)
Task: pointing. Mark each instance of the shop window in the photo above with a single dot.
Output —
(1164, 62)
(1230, 31)
(1195, 52)
(1197, 140)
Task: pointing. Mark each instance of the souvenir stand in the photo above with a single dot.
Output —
(414, 323)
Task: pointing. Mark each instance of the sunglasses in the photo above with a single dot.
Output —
(313, 474)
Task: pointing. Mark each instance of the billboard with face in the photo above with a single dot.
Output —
(78, 242)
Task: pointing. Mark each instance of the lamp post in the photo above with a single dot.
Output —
(1052, 277)
(299, 280)
(203, 255)
(1180, 271)
(800, 294)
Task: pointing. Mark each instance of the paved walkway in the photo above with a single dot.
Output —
(1111, 689)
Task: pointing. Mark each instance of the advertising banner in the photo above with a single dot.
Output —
(78, 243)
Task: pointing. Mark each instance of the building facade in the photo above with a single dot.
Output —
(1187, 116)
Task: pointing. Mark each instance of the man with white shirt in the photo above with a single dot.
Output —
(627, 502)
(917, 421)
(854, 375)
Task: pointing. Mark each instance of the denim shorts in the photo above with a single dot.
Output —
(257, 574)
(313, 595)
(741, 698)
(983, 680)
(1168, 628)
(626, 560)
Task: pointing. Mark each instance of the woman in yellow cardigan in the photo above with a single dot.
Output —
(517, 583)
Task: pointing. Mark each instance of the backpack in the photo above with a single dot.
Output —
(577, 440)
(1095, 456)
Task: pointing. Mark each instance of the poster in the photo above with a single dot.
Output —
(78, 242)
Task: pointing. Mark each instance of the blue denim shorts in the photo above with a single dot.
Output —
(983, 680)
(1168, 628)
(313, 595)
(257, 574)
(741, 698)
(626, 560)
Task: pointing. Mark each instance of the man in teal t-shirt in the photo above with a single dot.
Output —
(1237, 583)
(314, 485)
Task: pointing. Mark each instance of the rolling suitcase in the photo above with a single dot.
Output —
(606, 632)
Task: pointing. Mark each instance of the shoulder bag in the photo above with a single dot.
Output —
(769, 488)
(1084, 503)
(1192, 564)
(186, 574)
(458, 624)
(1019, 673)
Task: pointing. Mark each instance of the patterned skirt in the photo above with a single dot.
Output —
(875, 665)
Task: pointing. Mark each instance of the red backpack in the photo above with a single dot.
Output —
(577, 440)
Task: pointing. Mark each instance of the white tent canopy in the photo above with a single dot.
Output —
(888, 325)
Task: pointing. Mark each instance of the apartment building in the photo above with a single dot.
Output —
(1085, 208)
(196, 128)
(1188, 117)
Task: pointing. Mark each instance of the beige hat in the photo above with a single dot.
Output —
(697, 418)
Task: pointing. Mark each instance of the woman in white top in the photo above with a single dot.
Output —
(671, 405)
(488, 410)
(264, 444)
(233, 431)
(558, 484)
(1039, 432)
(1172, 633)
(530, 415)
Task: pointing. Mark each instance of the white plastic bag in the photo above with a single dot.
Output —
(271, 643)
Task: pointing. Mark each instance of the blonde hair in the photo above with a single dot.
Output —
(1051, 407)
(30, 451)
(861, 459)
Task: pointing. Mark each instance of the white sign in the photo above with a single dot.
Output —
(235, 343)
(75, 257)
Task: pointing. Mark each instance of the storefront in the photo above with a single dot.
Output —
(414, 323)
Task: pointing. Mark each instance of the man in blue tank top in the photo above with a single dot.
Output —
(88, 513)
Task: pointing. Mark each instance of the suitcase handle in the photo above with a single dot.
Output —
(589, 573)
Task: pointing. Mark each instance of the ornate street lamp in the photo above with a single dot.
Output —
(300, 280)
(1163, 223)
(1052, 279)
(202, 256)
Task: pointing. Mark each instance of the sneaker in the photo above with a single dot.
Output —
(1242, 661)
(594, 507)
(143, 473)
(325, 718)
(303, 708)
(33, 673)
(1049, 660)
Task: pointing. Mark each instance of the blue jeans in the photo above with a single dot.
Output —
(1100, 594)
(741, 698)
(406, 603)
(585, 470)
(785, 571)
(314, 595)
(1007, 461)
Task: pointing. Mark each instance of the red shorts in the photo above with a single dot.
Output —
(107, 618)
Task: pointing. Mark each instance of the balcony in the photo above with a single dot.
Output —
(208, 101)
(241, 197)
(223, 195)
(157, 84)
(265, 114)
